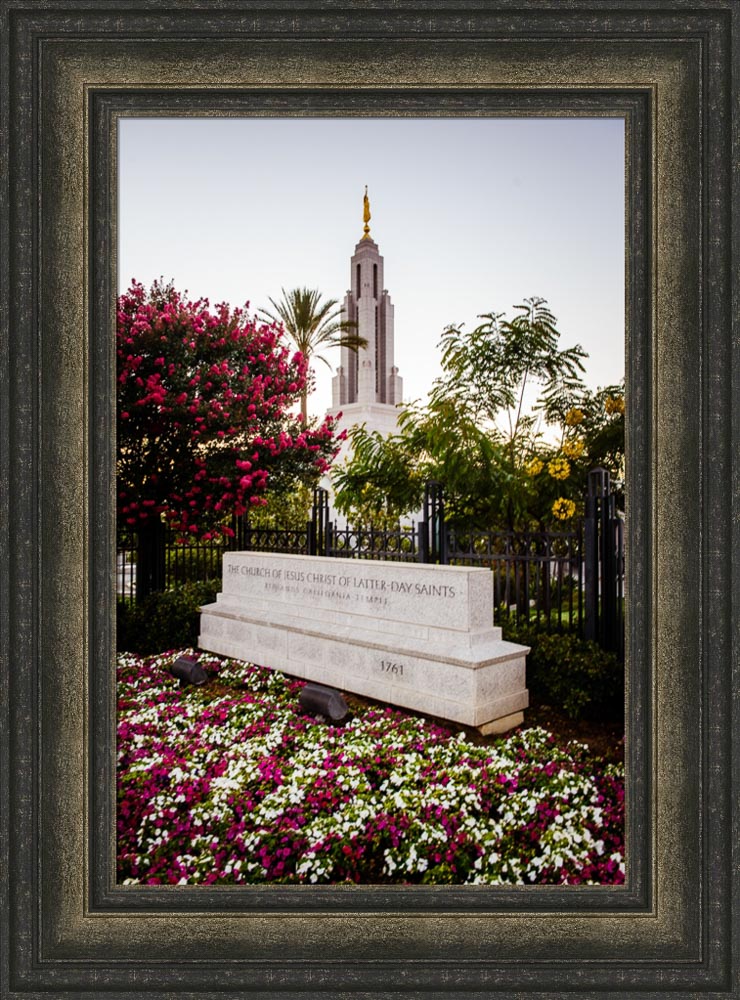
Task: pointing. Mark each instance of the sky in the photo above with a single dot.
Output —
(471, 215)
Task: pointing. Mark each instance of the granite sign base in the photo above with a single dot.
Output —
(416, 636)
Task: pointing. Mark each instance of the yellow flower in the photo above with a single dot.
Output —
(614, 404)
(559, 468)
(574, 417)
(563, 509)
(535, 467)
(573, 449)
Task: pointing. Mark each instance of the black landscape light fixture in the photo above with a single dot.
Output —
(315, 699)
(188, 670)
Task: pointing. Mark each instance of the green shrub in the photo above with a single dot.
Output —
(163, 621)
(571, 674)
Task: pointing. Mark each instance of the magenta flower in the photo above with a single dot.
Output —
(230, 783)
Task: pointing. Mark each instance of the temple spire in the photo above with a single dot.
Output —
(366, 215)
(368, 377)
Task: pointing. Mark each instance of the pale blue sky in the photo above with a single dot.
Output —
(471, 216)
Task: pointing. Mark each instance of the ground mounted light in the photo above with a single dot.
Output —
(189, 671)
(315, 699)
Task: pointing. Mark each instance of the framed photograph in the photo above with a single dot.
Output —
(71, 73)
(242, 218)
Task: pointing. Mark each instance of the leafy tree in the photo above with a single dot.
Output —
(289, 509)
(602, 429)
(490, 372)
(385, 476)
(312, 325)
(479, 434)
(382, 481)
(203, 427)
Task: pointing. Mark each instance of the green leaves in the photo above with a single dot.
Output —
(480, 431)
(570, 673)
(383, 480)
(490, 372)
(312, 325)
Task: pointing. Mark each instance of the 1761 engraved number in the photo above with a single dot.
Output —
(389, 667)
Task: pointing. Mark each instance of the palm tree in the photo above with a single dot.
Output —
(312, 324)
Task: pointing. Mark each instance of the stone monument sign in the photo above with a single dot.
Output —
(417, 636)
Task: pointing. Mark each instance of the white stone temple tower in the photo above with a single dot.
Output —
(367, 386)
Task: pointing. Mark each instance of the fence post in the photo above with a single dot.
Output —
(612, 544)
(591, 552)
(318, 534)
(603, 554)
(546, 581)
(434, 547)
(608, 569)
(310, 537)
(151, 558)
(442, 534)
(522, 586)
(422, 541)
(618, 646)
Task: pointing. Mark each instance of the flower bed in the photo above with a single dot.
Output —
(230, 783)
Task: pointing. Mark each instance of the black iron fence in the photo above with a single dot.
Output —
(604, 565)
(538, 576)
(142, 569)
(560, 580)
(249, 539)
(395, 545)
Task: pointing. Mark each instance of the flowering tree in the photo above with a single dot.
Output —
(203, 427)
(592, 435)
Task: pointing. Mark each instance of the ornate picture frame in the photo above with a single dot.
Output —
(69, 71)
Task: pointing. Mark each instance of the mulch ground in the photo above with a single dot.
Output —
(604, 739)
